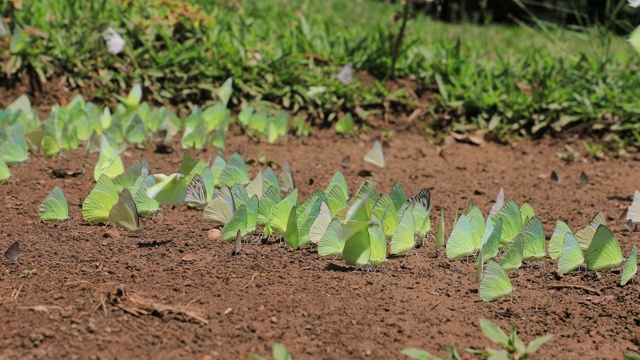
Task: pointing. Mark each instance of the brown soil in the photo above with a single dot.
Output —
(316, 307)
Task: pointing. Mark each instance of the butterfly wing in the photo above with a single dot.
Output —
(604, 251)
(557, 239)
(375, 156)
(55, 206)
(460, 243)
(630, 267)
(495, 282)
(571, 257)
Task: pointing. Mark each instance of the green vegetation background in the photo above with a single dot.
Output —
(511, 80)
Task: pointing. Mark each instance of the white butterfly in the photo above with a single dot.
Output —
(346, 73)
(633, 214)
(634, 3)
(498, 204)
(375, 156)
(115, 42)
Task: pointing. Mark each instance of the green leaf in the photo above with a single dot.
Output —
(631, 356)
(537, 343)
(494, 333)
(499, 355)
(419, 354)
(280, 352)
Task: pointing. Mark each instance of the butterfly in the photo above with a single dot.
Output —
(346, 74)
(631, 267)
(125, 213)
(115, 42)
(571, 257)
(498, 204)
(495, 282)
(346, 162)
(604, 251)
(237, 245)
(98, 204)
(54, 207)
(423, 197)
(633, 213)
(11, 255)
(375, 156)
(286, 179)
(196, 193)
(557, 239)
(555, 179)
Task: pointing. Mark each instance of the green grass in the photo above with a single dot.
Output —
(512, 81)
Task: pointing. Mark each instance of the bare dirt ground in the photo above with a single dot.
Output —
(185, 296)
(170, 292)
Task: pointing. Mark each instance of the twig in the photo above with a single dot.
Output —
(435, 305)
(16, 293)
(580, 287)
(77, 283)
(250, 281)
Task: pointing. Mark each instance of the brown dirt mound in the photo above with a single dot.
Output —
(169, 292)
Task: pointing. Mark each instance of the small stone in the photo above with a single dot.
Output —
(274, 320)
(214, 235)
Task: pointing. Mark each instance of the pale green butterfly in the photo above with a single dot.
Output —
(124, 213)
(511, 221)
(101, 199)
(403, 239)
(5, 174)
(239, 194)
(109, 163)
(422, 220)
(235, 172)
(14, 149)
(256, 186)
(384, 210)
(170, 190)
(50, 146)
(128, 178)
(279, 215)
(630, 267)
(490, 247)
(330, 243)
(585, 235)
(476, 221)
(534, 240)
(336, 200)
(144, 204)
(357, 249)
(375, 156)
(55, 206)
(339, 180)
(271, 179)
(221, 208)
(460, 243)
(306, 215)
(320, 224)
(604, 251)
(398, 196)
(207, 180)
(216, 169)
(267, 202)
(286, 179)
(526, 212)
(292, 235)
(556, 241)
(133, 99)
(378, 241)
(194, 135)
(571, 257)
(243, 220)
(495, 282)
(512, 258)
